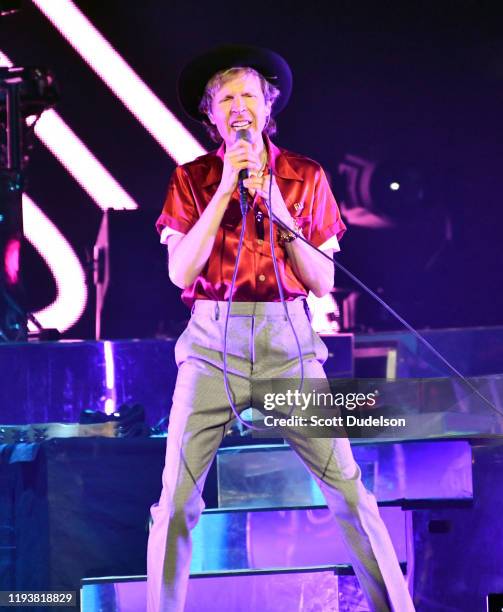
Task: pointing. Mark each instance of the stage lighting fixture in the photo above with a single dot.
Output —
(398, 190)
(50, 243)
(37, 88)
(382, 194)
(23, 92)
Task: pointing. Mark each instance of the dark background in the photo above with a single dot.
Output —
(411, 86)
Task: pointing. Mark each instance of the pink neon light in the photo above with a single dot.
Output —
(121, 79)
(11, 261)
(69, 276)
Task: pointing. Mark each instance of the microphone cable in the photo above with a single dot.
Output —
(244, 211)
(268, 204)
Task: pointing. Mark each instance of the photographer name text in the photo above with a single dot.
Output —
(333, 421)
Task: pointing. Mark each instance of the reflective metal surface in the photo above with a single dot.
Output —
(474, 351)
(273, 476)
(278, 592)
(44, 382)
(54, 381)
(286, 539)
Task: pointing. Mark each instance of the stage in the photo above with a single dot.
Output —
(76, 509)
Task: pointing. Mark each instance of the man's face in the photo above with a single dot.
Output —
(239, 105)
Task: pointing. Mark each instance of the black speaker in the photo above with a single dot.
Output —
(134, 296)
(495, 602)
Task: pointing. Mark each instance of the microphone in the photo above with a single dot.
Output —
(243, 174)
(243, 135)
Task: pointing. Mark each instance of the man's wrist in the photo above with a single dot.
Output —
(286, 236)
(223, 194)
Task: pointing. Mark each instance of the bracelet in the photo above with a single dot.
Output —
(286, 236)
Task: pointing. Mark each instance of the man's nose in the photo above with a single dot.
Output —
(238, 104)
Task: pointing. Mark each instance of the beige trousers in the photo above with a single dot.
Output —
(261, 345)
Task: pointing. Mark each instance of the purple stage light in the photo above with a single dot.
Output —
(111, 398)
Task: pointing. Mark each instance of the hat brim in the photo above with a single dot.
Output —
(196, 74)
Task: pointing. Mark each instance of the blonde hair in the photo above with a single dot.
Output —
(220, 78)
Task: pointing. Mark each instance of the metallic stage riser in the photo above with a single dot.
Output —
(287, 539)
(409, 472)
(249, 593)
(54, 381)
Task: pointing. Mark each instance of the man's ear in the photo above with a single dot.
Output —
(210, 117)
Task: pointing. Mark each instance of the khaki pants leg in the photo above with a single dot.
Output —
(199, 418)
(355, 509)
(332, 464)
(198, 421)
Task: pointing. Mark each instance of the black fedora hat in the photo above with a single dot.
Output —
(196, 74)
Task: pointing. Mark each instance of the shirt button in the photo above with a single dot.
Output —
(261, 277)
(260, 241)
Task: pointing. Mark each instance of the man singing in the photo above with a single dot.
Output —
(231, 89)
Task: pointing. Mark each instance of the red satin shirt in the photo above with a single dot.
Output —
(307, 194)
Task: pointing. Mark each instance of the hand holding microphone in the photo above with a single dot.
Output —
(241, 163)
(252, 177)
(239, 160)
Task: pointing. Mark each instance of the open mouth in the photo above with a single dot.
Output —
(241, 125)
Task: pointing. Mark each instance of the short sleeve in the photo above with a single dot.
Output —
(179, 211)
(327, 221)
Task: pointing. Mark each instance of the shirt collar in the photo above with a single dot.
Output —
(278, 159)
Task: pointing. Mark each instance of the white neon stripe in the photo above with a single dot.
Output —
(67, 147)
(68, 274)
(110, 400)
(73, 154)
(109, 364)
(121, 79)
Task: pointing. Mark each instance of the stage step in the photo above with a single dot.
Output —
(266, 540)
(407, 474)
(268, 560)
(323, 588)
